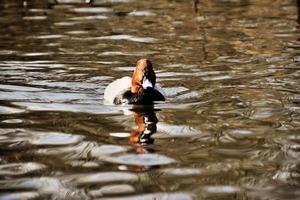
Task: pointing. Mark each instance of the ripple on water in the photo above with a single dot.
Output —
(82, 164)
(217, 78)
(7, 52)
(13, 121)
(78, 32)
(93, 17)
(265, 113)
(182, 171)
(66, 23)
(37, 10)
(91, 10)
(130, 38)
(221, 189)
(250, 132)
(189, 95)
(122, 53)
(152, 196)
(100, 78)
(173, 74)
(37, 54)
(233, 152)
(125, 69)
(115, 1)
(33, 18)
(168, 131)
(173, 91)
(141, 13)
(20, 88)
(69, 85)
(48, 37)
(44, 96)
(54, 139)
(93, 108)
(140, 159)
(4, 110)
(13, 138)
(19, 195)
(112, 190)
(107, 149)
(102, 177)
(15, 169)
(120, 134)
(71, 153)
(43, 185)
(38, 64)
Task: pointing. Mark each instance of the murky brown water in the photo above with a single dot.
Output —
(230, 126)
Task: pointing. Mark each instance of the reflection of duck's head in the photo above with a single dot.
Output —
(140, 89)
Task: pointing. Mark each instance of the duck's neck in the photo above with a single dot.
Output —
(135, 88)
(137, 93)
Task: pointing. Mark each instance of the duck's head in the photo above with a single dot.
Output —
(143, 76)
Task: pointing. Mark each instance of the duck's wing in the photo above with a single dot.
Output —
(115, 88)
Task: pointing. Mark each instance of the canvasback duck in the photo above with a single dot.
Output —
(140, 89)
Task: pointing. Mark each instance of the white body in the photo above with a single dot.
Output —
(114, 88)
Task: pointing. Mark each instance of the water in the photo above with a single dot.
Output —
(228, 130)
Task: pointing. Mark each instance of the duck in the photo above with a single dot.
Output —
(141, 88)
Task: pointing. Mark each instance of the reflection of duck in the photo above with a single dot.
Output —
(145, 120)
(140, 89)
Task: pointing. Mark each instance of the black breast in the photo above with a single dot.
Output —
(148, 97)
(151, 95)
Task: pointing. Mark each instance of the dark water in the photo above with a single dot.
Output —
(230, 126)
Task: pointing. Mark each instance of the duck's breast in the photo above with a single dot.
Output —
(115, 88)
(152, 94)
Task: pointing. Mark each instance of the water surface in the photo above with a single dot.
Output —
(228, 130)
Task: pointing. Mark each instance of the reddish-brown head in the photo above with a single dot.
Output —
(143, 76)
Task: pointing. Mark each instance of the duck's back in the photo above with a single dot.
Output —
(115, 88)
